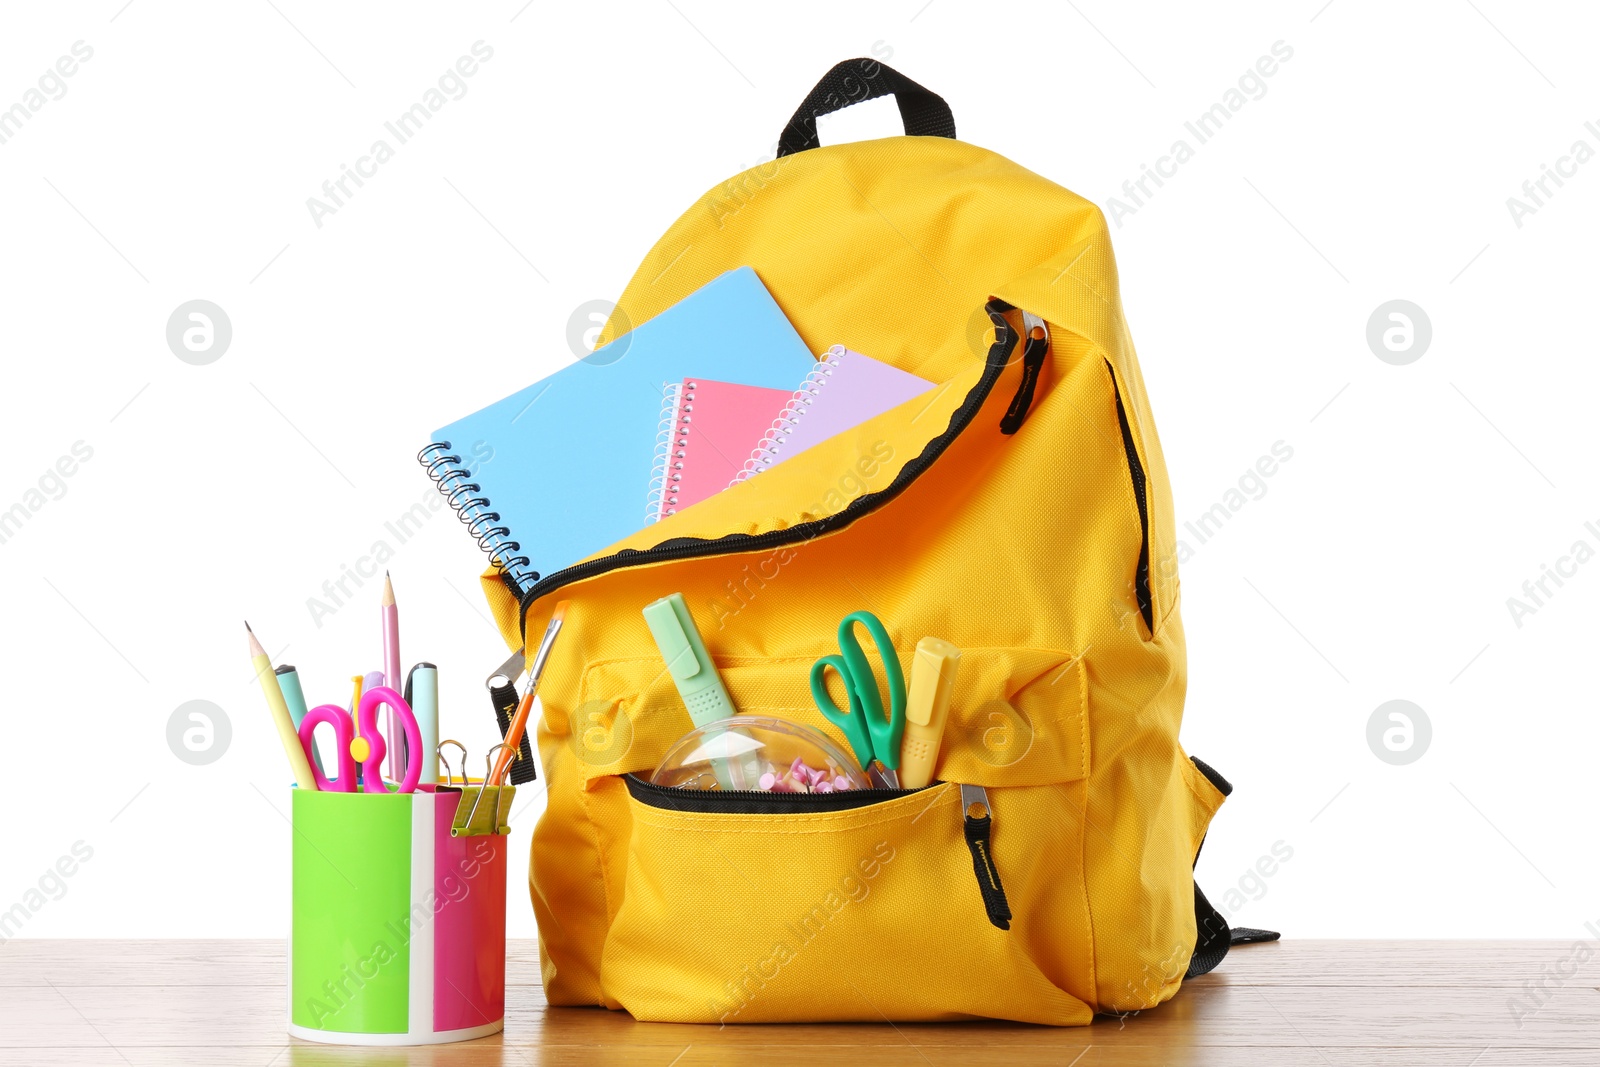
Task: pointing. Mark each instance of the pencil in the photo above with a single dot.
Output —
(280, 714)
(390, 614)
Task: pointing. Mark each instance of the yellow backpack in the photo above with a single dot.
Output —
(1021, 510)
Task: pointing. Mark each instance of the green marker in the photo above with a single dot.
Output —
(289, 683)
(685, 653)
(696, 677)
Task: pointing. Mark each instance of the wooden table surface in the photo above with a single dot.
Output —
(1328, 1003)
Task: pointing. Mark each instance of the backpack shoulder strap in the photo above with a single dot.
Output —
(1212, 937)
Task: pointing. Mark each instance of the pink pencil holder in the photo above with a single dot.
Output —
(399, 928)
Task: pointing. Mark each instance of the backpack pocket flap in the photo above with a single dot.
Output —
(1018, 716)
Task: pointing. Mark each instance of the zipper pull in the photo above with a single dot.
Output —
(1035, 344)
(977, 818)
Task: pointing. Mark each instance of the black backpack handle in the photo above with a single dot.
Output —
(924, 112)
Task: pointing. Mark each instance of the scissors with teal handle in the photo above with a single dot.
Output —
(874, 736)
(367, 749)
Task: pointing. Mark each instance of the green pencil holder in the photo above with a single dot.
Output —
(398, 927)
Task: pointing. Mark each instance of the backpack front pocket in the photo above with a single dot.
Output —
(849, 907)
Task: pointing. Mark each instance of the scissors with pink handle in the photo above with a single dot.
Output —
(365, 745)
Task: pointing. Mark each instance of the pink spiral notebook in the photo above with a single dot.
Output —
(707, 431)
(841, 392)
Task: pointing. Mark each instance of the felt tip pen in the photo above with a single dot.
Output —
(933, 676)
(294, 697)
(422, 692)
(687, 660)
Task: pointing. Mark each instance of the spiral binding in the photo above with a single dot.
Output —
(767, 452)
(455, 484)
(672, 438)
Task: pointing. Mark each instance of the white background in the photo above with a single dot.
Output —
(1376, 566)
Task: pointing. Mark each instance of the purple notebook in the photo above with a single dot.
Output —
(842, 391)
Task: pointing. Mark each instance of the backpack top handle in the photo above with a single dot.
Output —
(924, 112)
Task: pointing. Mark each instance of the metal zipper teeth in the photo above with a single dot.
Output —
(694, 548)
(756, 801)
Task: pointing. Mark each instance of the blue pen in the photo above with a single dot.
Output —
(422, 693)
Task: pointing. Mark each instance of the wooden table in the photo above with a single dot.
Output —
(1327, 1003)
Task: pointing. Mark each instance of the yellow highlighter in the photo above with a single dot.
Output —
(933, 675)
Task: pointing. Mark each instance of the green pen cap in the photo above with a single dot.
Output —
(688, 661)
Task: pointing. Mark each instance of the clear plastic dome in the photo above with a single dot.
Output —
(758, 752)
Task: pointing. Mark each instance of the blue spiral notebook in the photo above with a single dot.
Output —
(552, 473)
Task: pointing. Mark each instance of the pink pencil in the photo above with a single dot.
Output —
(391, 673)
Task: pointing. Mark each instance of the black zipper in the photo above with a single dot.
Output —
(1034, 349)
(1141, 576)
(756, 801)
(977, 819)
(681, 548)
